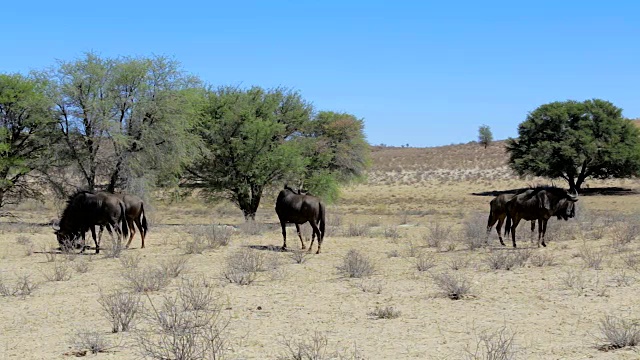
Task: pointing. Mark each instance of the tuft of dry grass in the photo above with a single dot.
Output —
(120, 308)
(425, 262)
(147, 279)
(252, 228)
(91, 341)
(242, 266)
(385, 312)
(592, 258)
(543, 259)
(315, 348)
(618, 332)
(507, 260)
(356, 265)
(496, 345)
(60, 272)
(437, 235)
(299, 256)
(173, 266)
(355, 230)
(453, 286)
(474, 233)
(23, 287)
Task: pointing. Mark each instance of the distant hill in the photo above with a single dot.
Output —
(409, 165)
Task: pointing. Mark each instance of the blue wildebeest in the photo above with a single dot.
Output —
(134, 212)
(539, 203)
(498, 213)
(83, 212)
(298, 208)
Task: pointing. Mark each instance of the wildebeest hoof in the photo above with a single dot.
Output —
(284, 248)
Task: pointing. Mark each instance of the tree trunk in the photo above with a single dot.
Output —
(248, 200)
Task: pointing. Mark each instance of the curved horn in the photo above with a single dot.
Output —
(55, 224)
(573, 195)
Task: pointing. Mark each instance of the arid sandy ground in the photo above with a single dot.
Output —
(554, 311)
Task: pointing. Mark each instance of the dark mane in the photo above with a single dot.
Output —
(68, 210)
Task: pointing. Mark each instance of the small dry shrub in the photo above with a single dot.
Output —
(356, 265)
(624, 233)
(196, 294)
(474, 233)
(243, 265)
(314, 349)
(437, 235)
(115, 247)
(252, 227)
(632, 261)
(195, 246)
(89, 340)
(425, 262)
(60, 272)
(82, 266)
(50, 253)
(622, 279)
(146, 279)
(617, 332)
(507, 260)
(391, 232)
(543, 259)
(371, 286)
(299, 256)
(393, 253)
(573, 280)
(354, 230)
(458, 263)
(592, 258)
(498, 345)
(173, 266)
(23, 287)
(130, 261)
(385, 312)
(412, 249)
(171, 332)
(208, 237)
(120, 308)
(453, 286)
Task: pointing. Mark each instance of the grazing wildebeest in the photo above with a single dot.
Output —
(539, 203)
(84, 211)
(498, 213)
(297, 208)
(134, 212)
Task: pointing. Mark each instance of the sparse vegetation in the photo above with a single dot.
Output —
(23, 286)
(496, 345)
(425, 262)
(354, 229)
(243, 265)
(147, 279)
(453, 286)
(438, 234)
(473, 231)
(89, 340)
(507, 260)
(385, 312)
(60, 272)
(121, 308)
(356, 265)
(617, 333)
(299, 256)
(592, 258)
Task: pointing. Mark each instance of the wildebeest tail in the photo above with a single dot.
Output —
(507, 227)
(490, 220)
(322, 220)
(143, 221)
(123, 220)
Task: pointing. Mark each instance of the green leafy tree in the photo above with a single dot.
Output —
(574, 141)
(125, 118)
(26, 128)
(485, 137)
(256, 138)
(247, 143)
(336, 152)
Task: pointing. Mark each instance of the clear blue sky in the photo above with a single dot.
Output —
(423, 73)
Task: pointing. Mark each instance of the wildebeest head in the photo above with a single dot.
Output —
(567, 206)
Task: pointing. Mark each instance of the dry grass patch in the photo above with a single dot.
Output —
(453, 286)
(146, 279)
(425, 262)
(22, 287)
(315, 348)
(496, 345)
(385, 312)
(474, 233)
(593, 258)
(121, 308)
(617, 333)
(243, 265)
(507, 259)
(356, 265)
(89, 341)
(61, 271)
(355, 230)
(542, 259)
(437, 235)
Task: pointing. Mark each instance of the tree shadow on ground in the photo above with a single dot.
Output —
(591, 191)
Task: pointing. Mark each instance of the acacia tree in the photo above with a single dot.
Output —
(246, 137)
(257, 138)
(123, 118)
(574, 141)
(485, 137)
(335, 151)
(26, 128)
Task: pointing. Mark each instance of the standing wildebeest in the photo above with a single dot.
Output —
(84, 211)
(297, 208)
(498, 213)
(134, 212)
(540, 204)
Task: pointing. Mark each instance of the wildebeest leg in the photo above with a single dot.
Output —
(139, 225)
(284, 235)
(533, 228)
(499, 229)
(514, 225)
(95, 240)
(316, 231)
(133, 232)
(544, 231)
(300, 236)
